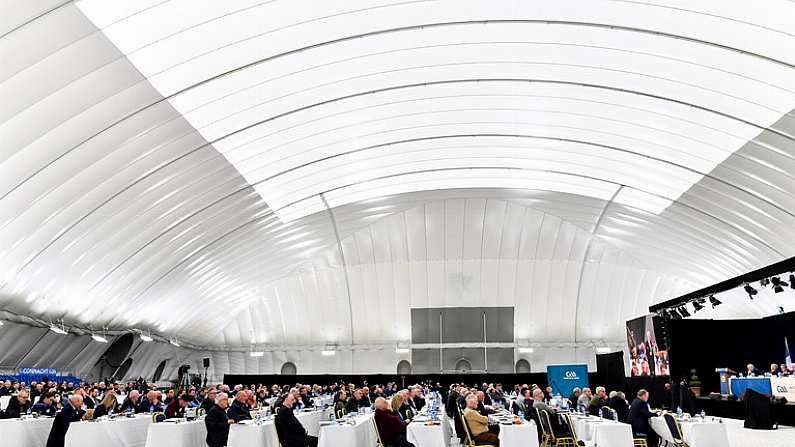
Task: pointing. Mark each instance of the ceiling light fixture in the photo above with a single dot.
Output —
(257, 353)
(58, 330)
(146, 337)
(750, 291)
(525, 350)
(174, 342)
(778, 284)
(603, 349)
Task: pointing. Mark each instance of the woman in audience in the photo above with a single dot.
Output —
(107, 406)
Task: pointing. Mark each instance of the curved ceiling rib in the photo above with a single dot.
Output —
(158, 153)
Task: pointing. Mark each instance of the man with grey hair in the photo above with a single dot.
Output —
(72, 412)
(479, 428)
(391, 429)
(131, 402)
(239, 410)
(585, 398)
(598, 401)
(217, 422)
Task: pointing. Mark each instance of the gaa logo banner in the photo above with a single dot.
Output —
(564, 378)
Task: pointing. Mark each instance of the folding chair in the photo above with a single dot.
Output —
(378, 441)
(676, 430)
(569, 423)
(469, 441)
(556, 439)
(639, 441)
(158, 417)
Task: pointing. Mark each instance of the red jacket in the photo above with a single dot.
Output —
(389, 425)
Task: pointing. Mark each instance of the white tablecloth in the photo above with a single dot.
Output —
(422, 435)
(696, 434)
(362, 434)
(182, 434)
(27, 433)
(525, 435)
(603, 432)
(264, 435)
(4, 400)
(122, 432)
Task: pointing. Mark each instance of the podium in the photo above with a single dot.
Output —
(724, 374)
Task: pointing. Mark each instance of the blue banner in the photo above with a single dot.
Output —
(564, 378)
(38, 371)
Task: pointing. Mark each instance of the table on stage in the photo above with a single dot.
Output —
(602, 432)
(177, 433)
(264, 434)
(359, 434)
(775, 386)
(119, 432)
(27, 433)
(696, 433)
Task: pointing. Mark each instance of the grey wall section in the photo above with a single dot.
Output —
(462, 324)
(500, 360)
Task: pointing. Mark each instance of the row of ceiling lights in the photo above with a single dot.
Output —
(144, 336)
(681, 311)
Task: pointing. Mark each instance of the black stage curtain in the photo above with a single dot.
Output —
(610, 371)
(470, 379)
(704, 345)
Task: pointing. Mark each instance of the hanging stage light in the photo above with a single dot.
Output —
(750, 291)
(778, 284)
(792, 280)
(698, 305)
(683, 311)
(714, 301)
(764, 282)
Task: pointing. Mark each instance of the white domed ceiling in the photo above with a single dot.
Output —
(162, 162)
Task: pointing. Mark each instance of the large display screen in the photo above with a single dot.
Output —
(646, 356)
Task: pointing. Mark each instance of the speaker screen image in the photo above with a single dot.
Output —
(646, 357)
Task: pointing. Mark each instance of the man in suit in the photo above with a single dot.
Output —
(217, 422)
(72, 412)
(452, 401)
(484, 409)
(92, 399)
(289, 429)
(5, 389)
(239, 410)
(598, 401)
(639, 415)
(18, 405)
(416, 397)
(391, 428)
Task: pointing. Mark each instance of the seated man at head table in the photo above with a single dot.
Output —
(479, 427)
(18, 405)
(72, 412)
(639, 415)
(391, 427)
(217, 422)
(750, 370)
(239, 410)
(289, 429)
(46, 405)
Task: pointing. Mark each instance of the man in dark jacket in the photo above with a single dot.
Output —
(46, 405)
(239, 410)
(150, 403)
(131, 402)
(72, 412)
(289, 429)
(352, 406)
(217, 422)
(18, 405)
(209, 400)
(618, 403)
(452, 401)
(638, 418)
(391, 428)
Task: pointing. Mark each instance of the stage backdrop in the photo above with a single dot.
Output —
(564, 378)
(703, 345)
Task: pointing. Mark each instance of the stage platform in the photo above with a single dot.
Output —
(784, 414)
